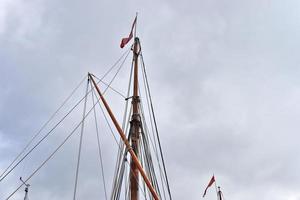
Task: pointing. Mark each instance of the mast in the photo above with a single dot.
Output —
(132, 144)
(135, 124)
(126, 142)
(26, 188)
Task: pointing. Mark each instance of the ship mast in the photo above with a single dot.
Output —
(135, 124)
(135, 127)
(132, 144)
(124, 139)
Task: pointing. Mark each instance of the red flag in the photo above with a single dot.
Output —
(127, 39)
(212, 180)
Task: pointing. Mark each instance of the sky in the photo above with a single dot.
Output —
(224, 78)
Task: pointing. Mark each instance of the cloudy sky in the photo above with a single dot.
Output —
(224, 77)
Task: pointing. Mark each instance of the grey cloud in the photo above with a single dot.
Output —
(225, 72)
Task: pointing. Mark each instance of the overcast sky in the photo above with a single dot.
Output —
(224, 77)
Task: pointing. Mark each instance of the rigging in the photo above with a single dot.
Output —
(139, 171)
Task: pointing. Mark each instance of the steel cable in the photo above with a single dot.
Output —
(4, 176)
(80, 141)
(42, 128)
(99, 149)
(156, 129)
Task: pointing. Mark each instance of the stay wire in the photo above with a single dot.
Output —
(119, 166)
(143, 164)
(113, 89)
(65, 138)
(145, 139)
(109, 85)
(115, 64)
(145, 133)
(153, 143)
(150, 116)
(118, 70)
(105, 90)
(99, 148)
(111, 68)
(126, 185)
(125, 120)
(125, 126)
(154, 120)
(80, 142)
(43, 126)
(40, 141)
(52, 154)
(102, 110)
(148, 158)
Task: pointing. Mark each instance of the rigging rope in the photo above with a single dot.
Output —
(125, 126)
(3, 176)
(148, 157)
(99, 148)
(66, 139)
(118, 144)
(109, 84)
(40, 141)
(145, 157)
(156, 129)
(80, 142)
(147, 163)
(113, 89)
(53, 153)
(146, 133)
(43, 126)
(119, 166)
(142, 163)
(121, 65)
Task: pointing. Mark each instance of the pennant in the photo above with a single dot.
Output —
(127, 39)
(212, 180)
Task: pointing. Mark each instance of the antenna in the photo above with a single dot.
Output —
(219, 193)
(26, 188)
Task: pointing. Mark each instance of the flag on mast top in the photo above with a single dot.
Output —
(212, 180)
(125, 40)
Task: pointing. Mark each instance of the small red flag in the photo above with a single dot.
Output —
(212, 180)
(127, 39)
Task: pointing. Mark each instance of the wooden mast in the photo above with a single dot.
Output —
(135, 124)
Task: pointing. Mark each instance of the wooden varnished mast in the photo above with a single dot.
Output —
(135, 124)
(132, 144)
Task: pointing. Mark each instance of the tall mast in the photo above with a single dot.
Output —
(124, 139)
(132, 144)
(135, 124)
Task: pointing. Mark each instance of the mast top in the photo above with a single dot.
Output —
(136, 15)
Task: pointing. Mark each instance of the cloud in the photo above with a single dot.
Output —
(223, 76)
